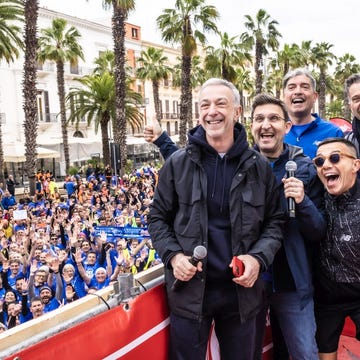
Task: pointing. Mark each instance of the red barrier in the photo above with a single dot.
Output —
(137, 330)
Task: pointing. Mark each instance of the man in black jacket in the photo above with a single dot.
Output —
(352, 90)
(218, 193)
(337, 284)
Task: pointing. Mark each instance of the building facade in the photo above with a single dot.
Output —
(84, 142)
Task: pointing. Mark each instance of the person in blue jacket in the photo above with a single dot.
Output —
(289, 279)
(308, 129)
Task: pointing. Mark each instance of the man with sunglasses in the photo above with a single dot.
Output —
(337, 274)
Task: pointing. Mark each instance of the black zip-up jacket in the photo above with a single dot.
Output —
(179, 219)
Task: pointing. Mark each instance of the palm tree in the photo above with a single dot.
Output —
(61, 45)
(179, 26)
(322, 58)
(121, 10)
(198, 73)
(153, 67)
(10, 43)
(263, 35)
(96, 103)
(224, 60)
(29, 90)
(346, 65)
(244, 84)
(10, 40)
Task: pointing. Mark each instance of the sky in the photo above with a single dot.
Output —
(336, 23)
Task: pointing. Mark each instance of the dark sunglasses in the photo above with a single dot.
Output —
(333, 158)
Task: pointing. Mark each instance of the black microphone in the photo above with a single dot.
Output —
(199, 253)
(290, 168)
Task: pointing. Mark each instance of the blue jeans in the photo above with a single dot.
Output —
(297, 324)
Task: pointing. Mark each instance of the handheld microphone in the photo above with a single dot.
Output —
(290, 168)
(199, 253)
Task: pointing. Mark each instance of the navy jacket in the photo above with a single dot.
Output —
(292, 267)
(179, 220)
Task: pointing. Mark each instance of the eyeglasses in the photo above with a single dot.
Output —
(272, 118)
(333, 158)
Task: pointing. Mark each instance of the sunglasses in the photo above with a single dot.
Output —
(333, 158)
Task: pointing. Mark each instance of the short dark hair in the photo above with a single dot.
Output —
(352, 79)
(297, 72)
(263, 99)
(347, 142)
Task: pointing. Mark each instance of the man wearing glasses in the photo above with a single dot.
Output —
(337, 276)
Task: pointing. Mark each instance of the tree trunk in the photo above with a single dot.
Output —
(29, 90)
(61, 94)
(185, 99)
(258, 69)
(155, 86)
(119, 125)
(322, 91)
(105, 138)
(1, 157)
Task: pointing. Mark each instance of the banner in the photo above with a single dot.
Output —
(126, 232)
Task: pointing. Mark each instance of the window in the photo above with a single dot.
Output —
(43, 108)
(74, 67)
(134, 33)
(167, 109)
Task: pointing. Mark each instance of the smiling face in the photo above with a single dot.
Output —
(218, 113)
(299, 97)
(340, 177)
(269, 127)
(354, 99)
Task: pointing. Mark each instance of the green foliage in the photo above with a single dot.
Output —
(73, 170)
(128, 166)
(335, 109)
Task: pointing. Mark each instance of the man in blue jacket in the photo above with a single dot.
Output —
(218, 193)
(308, 129)
(289, 279)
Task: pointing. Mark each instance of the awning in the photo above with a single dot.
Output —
(15, 152)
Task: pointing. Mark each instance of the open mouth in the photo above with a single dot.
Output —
(331, 179)
(214, 122)
(266, 136)
(298, 101)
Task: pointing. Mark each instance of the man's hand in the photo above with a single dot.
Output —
(294, 188)
(251, 272)
(152, 131)
(182, 268)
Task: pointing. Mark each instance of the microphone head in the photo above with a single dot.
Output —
(200, 252)
(290, 166)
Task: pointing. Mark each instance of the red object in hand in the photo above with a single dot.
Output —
(238, 266)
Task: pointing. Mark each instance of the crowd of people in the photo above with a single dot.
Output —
(62, 244)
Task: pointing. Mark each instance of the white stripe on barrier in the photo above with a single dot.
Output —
(135, 343)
